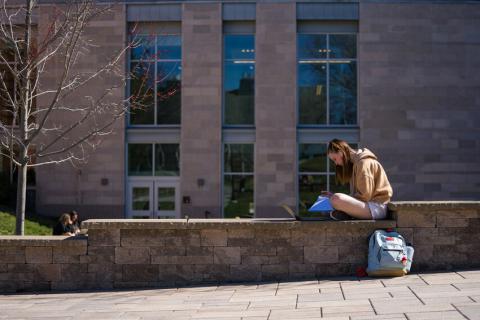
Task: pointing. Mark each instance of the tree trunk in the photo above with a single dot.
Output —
(21, 199)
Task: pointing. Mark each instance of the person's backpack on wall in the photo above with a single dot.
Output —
(388, 254)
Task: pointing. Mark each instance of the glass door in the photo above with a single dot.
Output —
(140, 199)
(166, 199)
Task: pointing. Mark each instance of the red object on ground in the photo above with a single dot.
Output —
(361, 272)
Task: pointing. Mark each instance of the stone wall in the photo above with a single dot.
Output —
(96, 188)
(418, 95)
(156, 253)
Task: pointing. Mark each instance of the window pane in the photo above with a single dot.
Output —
(343, 46)
(139, 159)
(166, 199)
(169, 47)
(142, 93)
(168, 92)
(238, 196)
(312, 46)
(239, 84)
(240, 47)
(312, 158)
(141, 198)
(167, 159)
(334, 187)
(144, 48)
(343, 93)
(310, 187)
(238, 158)
(312, 93)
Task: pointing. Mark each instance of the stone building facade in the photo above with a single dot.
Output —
(252, 93)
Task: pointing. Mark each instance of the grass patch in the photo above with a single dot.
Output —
(34, 225)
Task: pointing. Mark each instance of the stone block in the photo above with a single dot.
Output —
(168, 251)
(308, 237)
(104, 237)
(301, 268)
(247, 259)
(213, 238)
(68, 254)
(241, 234)
(242, 272)
(213, 272)
(258, 251)
(12, 254)
(321, 254)
(353, 254)
(414, 219)
(38, 254)
(275, 272)
(334, 269)
(144, 238)
(131, 255)
(200, 251)
(182, 260)
(47, 272)
(100, 254)
(140, 272)
(73, 273)
(227, 255)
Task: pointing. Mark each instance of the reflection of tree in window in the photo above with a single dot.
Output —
(343, 93)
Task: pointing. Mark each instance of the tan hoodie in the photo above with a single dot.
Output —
(369, 181)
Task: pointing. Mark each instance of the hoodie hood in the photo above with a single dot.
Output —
(361, 154)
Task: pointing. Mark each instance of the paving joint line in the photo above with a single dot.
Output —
(420, 276)
(471, 299)
(416, 295)
(460, 275)
(341, 289)
(458, 289)
(405, 315)
(296, 302)
(371, 304)
(458, 310)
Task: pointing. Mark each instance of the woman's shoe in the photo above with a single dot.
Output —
(339, 215)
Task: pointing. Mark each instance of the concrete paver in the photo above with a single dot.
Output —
(446, 296)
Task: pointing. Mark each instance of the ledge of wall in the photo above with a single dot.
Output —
(155, 253)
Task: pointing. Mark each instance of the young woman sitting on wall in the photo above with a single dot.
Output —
(369, 187)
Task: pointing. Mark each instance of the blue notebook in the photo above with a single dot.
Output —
(322, 204)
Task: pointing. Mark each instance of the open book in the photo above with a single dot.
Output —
(321, 205)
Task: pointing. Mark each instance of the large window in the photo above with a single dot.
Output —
(316, 173)
(147, 159)
(239, 80)
(238, 181)
(155, 65)
(327, 79)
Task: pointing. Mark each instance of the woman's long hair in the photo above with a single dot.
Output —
(343, 174)
(64, 219)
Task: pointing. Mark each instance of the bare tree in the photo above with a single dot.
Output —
(45, 119)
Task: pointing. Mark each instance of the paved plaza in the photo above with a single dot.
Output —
(452, 295)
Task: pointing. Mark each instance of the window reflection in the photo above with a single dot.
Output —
(155, 84)
(239, 80)
(343, 93)
(140, 159)
(238, 181)
(327, 79)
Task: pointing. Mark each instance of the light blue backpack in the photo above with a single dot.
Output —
(388, 254)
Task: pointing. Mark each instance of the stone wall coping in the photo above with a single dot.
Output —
(43, 241)
(227, 223)
(419, 206)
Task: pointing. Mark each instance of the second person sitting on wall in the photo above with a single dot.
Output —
(370, 190)
(64, 226)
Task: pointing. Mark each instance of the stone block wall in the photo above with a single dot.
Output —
(418, 95)
(159, 253)
(63, 187)
(34, 263)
